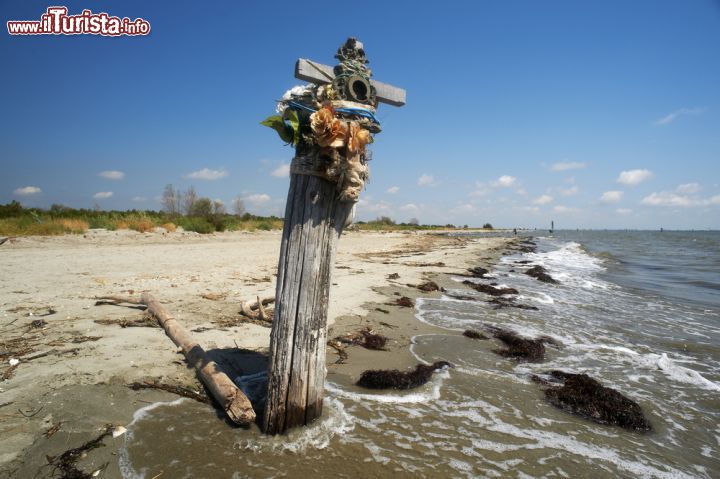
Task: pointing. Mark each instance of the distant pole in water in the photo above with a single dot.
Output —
(552, 226)
(661, 230)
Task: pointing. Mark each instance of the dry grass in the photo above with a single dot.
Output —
(142, 225)
(169, 227)
(74, 225)
(28, 227)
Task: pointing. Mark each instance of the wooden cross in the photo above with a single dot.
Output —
(314, 219)
(318, 73)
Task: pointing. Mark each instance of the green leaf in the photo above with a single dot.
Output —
(295, 125)
(286, 132)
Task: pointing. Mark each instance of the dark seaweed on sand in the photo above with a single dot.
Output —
(394, 379)
(582, 395)
(517, 347)
(373, 341)
(539, 273)
(65, 462)
(491, 290)
(429, 287)
(404, 301)
(478, 272)
(472, 334)
(499, 303)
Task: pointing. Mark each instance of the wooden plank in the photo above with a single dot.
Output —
(297, 342)
(314, 72)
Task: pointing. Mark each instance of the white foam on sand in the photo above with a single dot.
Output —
(680, 373)
(335, 421)
(653, 361)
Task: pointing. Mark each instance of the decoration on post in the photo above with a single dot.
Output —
(331, 124)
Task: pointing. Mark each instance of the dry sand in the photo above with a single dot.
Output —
(60, 400)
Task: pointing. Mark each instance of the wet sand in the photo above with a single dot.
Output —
(60, 400)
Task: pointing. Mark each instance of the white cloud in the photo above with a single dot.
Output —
(27, 191)
(139, 199)
(543, 200)
(282, 171)
(572, 191)
(112, 175)
(634, 177)
(426, 180)
(481, 189)
(410, 207)
(257, 199)
(688, 188)
(568, 165)
(611, 196)
(102, 195)
(463, 208)
(667, 119)
(367, 205)
(207, 174)
(530, 209)
(623, 211)
(393, 189)
(669, 198)
(505, 181)
(565, 209)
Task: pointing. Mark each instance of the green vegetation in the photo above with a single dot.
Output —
(202, 216)
(207, 217)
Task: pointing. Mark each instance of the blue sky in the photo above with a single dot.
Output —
(600, 114)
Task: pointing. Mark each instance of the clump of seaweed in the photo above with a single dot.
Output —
(582, 395)
(519, 348)
(374, 341)
(394, 379)
(472, 334)
(429, 287)
(478, 272)
(489, 289)
(65, 462)
(499, 303)
(403, 301)
(539, 273)
(366, 338)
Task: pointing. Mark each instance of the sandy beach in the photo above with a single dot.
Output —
(72, 375)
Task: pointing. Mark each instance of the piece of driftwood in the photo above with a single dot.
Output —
(257, 309)
(235, 404)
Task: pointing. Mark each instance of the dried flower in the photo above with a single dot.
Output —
(359, 137)
(328, 130)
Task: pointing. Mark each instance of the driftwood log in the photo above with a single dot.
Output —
(257, 310)
(233, 401)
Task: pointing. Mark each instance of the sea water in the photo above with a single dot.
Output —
(638, 311)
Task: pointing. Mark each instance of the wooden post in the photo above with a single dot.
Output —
(315, 214)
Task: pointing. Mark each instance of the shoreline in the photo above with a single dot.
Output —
(81, 384)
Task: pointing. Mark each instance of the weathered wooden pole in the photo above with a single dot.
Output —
(330, 122)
